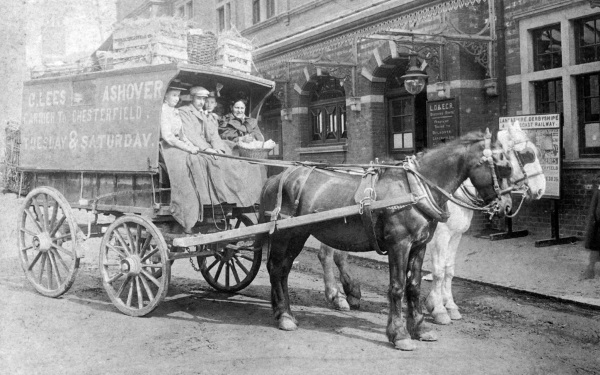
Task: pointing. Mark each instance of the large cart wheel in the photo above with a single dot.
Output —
(48, 241)
(134, 265)
(233, 266)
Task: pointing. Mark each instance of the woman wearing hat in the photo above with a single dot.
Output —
(237, 125)
(171, 126)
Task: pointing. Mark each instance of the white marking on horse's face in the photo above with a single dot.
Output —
(516, 139)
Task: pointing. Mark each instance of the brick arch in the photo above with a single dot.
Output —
(383, 60)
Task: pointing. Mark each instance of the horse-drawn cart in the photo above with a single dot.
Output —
(91, 142)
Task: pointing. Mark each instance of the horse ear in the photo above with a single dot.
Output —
(512, 127)
(487, 133)
(517, 125)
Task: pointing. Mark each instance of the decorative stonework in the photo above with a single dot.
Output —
(407, 20)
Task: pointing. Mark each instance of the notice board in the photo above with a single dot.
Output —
(442, 121)
(545, 132)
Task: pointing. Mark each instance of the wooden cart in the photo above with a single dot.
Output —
(91, 142)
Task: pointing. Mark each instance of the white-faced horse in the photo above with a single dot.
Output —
(401, 232)
(527, 176)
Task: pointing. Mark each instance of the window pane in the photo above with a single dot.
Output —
(547, 47)
(592, 135)
(396, 124)
(398, 140)
(255, 11)
(408, 140)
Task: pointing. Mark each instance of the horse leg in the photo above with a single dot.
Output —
(451, 307)
(396, 327)
(438, 248)
(414, 321)
(351, 287)
(332, 293)
(281, 257)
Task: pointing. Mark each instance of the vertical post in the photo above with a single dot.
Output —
(555, 229)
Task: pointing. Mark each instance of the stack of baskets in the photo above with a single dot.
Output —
(201, 47)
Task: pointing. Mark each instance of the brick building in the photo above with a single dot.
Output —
(339, 66)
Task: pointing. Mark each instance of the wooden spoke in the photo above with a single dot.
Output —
(64, 237)
(115, 277)
(46, 216)
(49, 272)
(113, 248)
(38, 212)
(125, 246)
(54, 214)
(68, 252)
(122, 287)
(37, 257)
(32, 217)
(139, 238)
(44, 256)
(151, 278)
(55, 267)
(234, 272)
(227, 273)
(145, 258)
(130, 293)
(58, 225)
(28, 232)
(219, 269)
(237, 261)
(132, 244)
(138, 289)
(145, 246)
(155, 265)
(147, 287)
(246, 257)
(212, 265)
(111, 264)
(57, 255)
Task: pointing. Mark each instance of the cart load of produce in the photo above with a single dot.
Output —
(149, 41)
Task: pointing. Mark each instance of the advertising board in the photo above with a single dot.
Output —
(94, 122)
(544, 130)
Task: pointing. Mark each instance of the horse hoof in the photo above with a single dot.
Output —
(405, 345)
(287, 323)
(340, 303)
(354, 302)
(441, 318)
(454, 314)
(428, 336)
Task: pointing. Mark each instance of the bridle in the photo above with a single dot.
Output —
(491, 208)
(522, 183)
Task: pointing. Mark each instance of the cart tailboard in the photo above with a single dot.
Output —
(316, 217)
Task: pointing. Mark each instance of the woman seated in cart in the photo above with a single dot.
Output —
(236, 125)
(198, 179)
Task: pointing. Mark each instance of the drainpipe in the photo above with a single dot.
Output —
(501, 58)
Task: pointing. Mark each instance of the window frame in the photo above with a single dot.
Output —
(558, 92)
(270, 5)
(579, 26)
(554, 55)
(256, 11)
(587, 152)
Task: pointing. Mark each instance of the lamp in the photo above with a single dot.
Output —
(414, 79)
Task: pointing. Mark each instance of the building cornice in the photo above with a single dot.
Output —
(546, 8)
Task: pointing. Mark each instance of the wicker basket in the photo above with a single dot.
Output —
(202, 48)
(255, 153)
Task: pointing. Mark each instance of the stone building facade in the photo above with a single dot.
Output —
(340, 98)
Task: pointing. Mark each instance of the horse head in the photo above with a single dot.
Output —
(489, 174)
(524, 158)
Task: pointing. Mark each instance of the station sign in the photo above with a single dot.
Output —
(544, 130)
(442, 121)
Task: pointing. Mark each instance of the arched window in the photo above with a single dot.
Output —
(327, 111)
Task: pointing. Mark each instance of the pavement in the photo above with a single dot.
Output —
(553, 271)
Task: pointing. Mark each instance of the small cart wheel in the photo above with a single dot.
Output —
(48, 241)
(233, 266)
(134, 265)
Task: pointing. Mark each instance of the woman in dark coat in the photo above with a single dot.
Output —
(592, 237)
(237, 125)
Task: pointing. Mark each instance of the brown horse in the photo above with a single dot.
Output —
(401, 232)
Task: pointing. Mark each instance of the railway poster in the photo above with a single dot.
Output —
(442, 121)
(544, 130)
